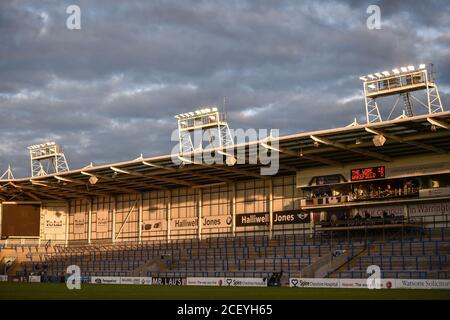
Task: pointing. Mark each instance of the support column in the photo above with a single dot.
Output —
(113, 220)
(0, 219)
(199, 212)
(66, 231)
(140, 218)
(233, 209)
(89, 221)
(42, 215)
(270, 207)
(169, 208)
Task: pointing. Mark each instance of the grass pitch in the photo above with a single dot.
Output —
(47, 291)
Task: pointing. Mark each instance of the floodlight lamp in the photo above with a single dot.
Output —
(214, 109)
(422, 66)
(404, 69)
(230, 161)
(379, 140)
(395, 71)
(386, 73)
(371, 76)
(371, 86)
(363, 78)
(93, 180)
(411, 68)
(379, 75)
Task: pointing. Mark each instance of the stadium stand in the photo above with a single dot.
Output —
(417, 257)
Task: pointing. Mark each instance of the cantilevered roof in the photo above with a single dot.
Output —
(404, 137)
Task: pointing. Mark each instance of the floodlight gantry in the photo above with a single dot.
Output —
(402, 81)
(206, 120)
(50, 155)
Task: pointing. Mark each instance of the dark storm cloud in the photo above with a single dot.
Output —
(109, 91)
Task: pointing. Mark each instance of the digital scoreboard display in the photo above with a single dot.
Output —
(367, 173)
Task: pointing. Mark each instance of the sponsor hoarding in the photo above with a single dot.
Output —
(34, 279)
(184, 223)
(362, 283)
(198, 281)
(245, 282)
(79, 220)
(54, 223)
(378, 212)
(288, 217)
(136, 280)
(105, 280)
(154, 225)
(423, 209)
(279, 217)
(175, 281)
(422, 284)
(3, 278)
(313, 283)
(252, 219)
(216, 222)
(227, 282)
(434, 192)
(417, 169)
(102, 221)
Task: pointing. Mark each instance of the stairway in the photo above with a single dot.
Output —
(408, 104)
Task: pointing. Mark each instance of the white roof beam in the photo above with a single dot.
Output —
(411, 143)
(439, 123)
(300, 155)
(149, 176)
(342, 146)
(134, 183)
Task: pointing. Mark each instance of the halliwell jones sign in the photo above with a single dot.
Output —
(279, 217)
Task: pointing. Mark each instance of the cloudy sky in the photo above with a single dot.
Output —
(109, 91)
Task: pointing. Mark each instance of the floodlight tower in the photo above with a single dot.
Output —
(401, 81)
(206, 120)
(49, 154)
(8, 174)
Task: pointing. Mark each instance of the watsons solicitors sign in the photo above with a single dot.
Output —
(279, 217)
